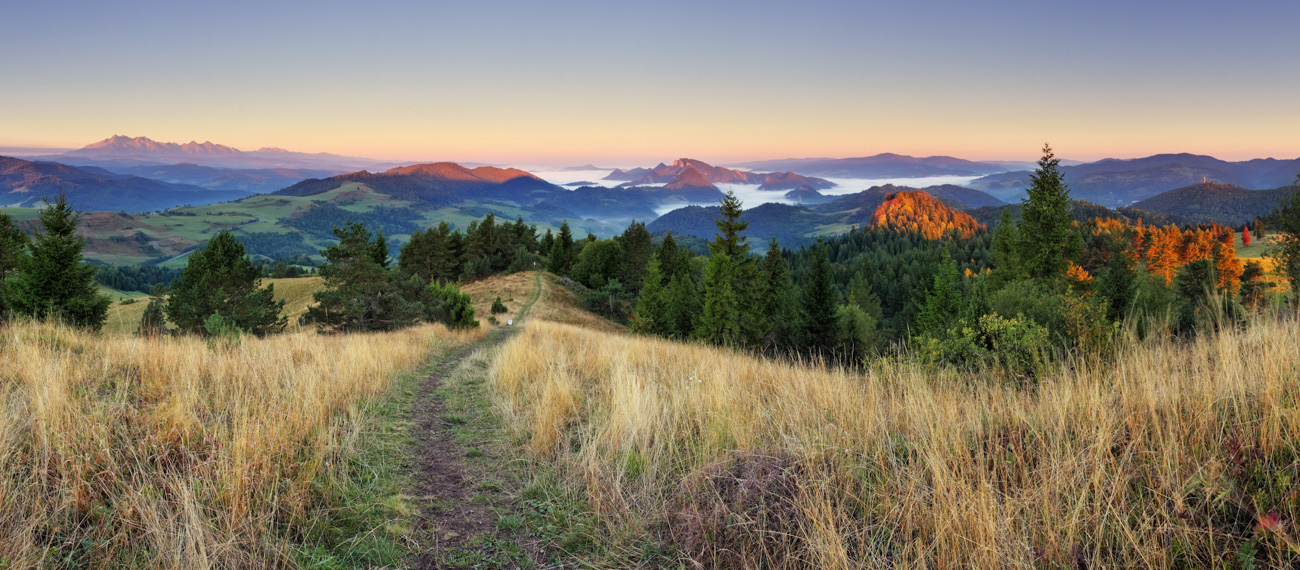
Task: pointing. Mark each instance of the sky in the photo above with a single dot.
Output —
(621, 83)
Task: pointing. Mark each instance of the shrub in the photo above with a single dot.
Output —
(450, 306)
(498, 307)
(1018, 344)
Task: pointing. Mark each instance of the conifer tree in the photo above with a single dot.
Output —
(777, 299)
(1286, 251)
(943, 303)
(1006, 250)
(52, 280)
(818, 302)
(684, 299)
(561, 254)
(546, 242)
(1118, 282)
(638, 249)
(667, 256)
(652, 313)
(13, 246)
(720, 321)
(359, 294)
(220, 280)
(1048, 239)
(379, 250)
(855, 329)
(429, 255)
(743, 270)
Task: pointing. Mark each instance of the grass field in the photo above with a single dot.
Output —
(118, 451)
(1173, 455)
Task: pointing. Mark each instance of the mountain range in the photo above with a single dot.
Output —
(26, 183)
(126, 150)
(665, 173)
(1211, 202)
(886, 165)
(1121, 182)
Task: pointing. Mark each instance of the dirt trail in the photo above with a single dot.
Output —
(444, 486)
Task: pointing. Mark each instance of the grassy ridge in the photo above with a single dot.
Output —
(1172, 455)
(118, 451)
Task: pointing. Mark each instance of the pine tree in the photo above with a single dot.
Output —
(13, 246)
(818, 302)
(1286, 250)
(1006, 250)
(561, 253)
(379, 250)
(547, 241)
(777, 300)
(943, 304)
(684, 299)
(429, 255)
(52, 280)
(720, 321)
(1048, 239)
(1118, 282)
(220, 280)
(743, 272)
(652, 313)
(667, 256)
(359, 294)
(638, 249)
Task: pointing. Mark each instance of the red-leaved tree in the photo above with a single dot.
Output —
(1245, 235)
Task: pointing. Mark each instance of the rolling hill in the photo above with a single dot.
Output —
(1210, 202)
(24, 183)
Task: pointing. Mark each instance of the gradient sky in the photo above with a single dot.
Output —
(621, 82)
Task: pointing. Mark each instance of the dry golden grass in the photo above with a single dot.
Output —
(119, 451)
(558, 304)
(514, 289)
(1168, 456)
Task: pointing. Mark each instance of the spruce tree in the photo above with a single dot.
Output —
(379, 250)
(652, 313)
(777, 299)
(943, 303)
(729, 242)
(1006, 251)
(220, 280)
(544, 246)
(684, 299)
(561, 254)
(1286, 251)
(638, 249)
(720, 322)
(13, 246)
(429, 255)
(818, 302)
(667, 256)
(1048, 239)
(52, 280)
(1118, 282)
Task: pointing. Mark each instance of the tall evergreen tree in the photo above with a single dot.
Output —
(1006, 250)
(638, 249)
(1048, 239)
(943, 302)
(561, 254)
(667, 256)
(52, 280)
(379, 250)
(684, 298)
(220, 280)
(652, 313)
(777, 299)
(818, 302)
(743, 271)
(13, 246)
(1286, 251)
(429, 255)
(546, 242)
(720, 321)
(1118, 282)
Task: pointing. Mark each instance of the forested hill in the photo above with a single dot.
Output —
(1222, 203)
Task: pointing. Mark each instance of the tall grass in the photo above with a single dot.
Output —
(1171, 454)
(120, 451)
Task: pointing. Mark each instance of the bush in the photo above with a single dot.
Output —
(1018, 344)
(450, 306)
(498, 307)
